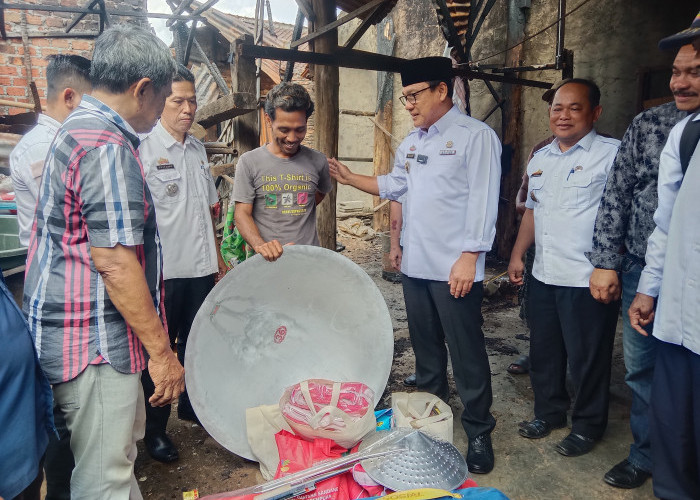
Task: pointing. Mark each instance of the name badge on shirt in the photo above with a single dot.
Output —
(448, 152)
(165, 166)
(409, 156)
(422, 159)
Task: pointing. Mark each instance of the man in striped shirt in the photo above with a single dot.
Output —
(93, 289)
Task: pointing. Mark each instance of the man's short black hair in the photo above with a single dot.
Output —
(66, 70)
(449, 83)
(593, 90)
(288, 97)
(183, 74)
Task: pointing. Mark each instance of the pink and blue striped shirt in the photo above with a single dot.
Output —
(93, 193)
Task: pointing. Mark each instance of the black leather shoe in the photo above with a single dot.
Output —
(480, 455)
(161, 448)
(575, 445)
(410, 381)
(626, 475)
(537, 428)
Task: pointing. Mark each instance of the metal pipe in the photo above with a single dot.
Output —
(559, 55)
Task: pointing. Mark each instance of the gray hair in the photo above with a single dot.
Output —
(125, 54)
(288, 97)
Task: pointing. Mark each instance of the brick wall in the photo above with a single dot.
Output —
(14, 78)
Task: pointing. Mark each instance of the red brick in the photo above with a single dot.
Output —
(82, 45)
(40, 62)
(17, 82)
(12, 16)
(32, 50)
(41, 42)
(8, 48)
(5, 80)
(8, 70)
(35, 20)
(49, 51)
(36, 73)
(54, 22)
(17, 91)
(60, 43)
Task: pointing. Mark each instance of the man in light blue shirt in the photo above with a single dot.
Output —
(672, 273)
(449, 168)
(566, 182)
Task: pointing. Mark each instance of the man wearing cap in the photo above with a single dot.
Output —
(449, 168)
(624, 223)
(567, 179)
(671, 275)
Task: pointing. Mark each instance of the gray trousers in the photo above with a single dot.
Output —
(104, 412)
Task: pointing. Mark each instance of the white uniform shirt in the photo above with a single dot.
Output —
(26, 166)
(451, 174)
(564, 192)
(183, 191)
(672, 270)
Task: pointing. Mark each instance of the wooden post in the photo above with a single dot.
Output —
(507, 224)
(385, 109)
(245, 131)
(326, 84)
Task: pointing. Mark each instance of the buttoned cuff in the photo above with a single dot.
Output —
(649, 284)
(606, 260)
(381, 185)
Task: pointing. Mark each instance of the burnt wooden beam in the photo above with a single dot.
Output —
(83, 10)
(332, 26)
(306, 8)
(76, 19)
(105, 20)
(2, 20)
(363, 27)
(453, 37)
(180, 8)
(190, 39)
(228, 106)
(482, 18)
(172, 17)
(296, 34)
(359, 59)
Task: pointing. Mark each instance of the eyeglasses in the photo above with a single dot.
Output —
(412, 97)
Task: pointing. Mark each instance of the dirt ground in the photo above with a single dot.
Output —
(525, 469)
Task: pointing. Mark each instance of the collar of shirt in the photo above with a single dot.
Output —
(93, 104)
(48, 122)
(166, 138)
(585, 142)
(442, 124)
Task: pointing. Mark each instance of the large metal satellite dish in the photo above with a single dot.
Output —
(268, 325)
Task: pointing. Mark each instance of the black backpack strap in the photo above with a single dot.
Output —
(689, 140)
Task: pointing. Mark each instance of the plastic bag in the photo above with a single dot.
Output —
(234, 248)
(320, 408)
(424, 411)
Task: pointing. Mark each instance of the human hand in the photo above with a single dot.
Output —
(168, 377)
(338, 171)
(516, 269)
(605, 285)
(462, 274)
(270, 250)
(641, 312)
(223, 268)
(395, 255)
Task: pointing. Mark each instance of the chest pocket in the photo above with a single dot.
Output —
(167, 186)
(534, 189)
(576, 192)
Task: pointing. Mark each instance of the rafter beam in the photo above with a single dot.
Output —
(296, 34)
(89, 7)
(194, 13)
(331, 26)
(306, 8)
(362, 28)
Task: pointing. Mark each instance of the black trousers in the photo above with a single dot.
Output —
(674, 423)
(567, 323)
(183, 298)
(434, 316)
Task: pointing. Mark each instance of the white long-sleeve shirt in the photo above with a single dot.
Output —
(451, 176)
(26, 166)
(672, 270)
